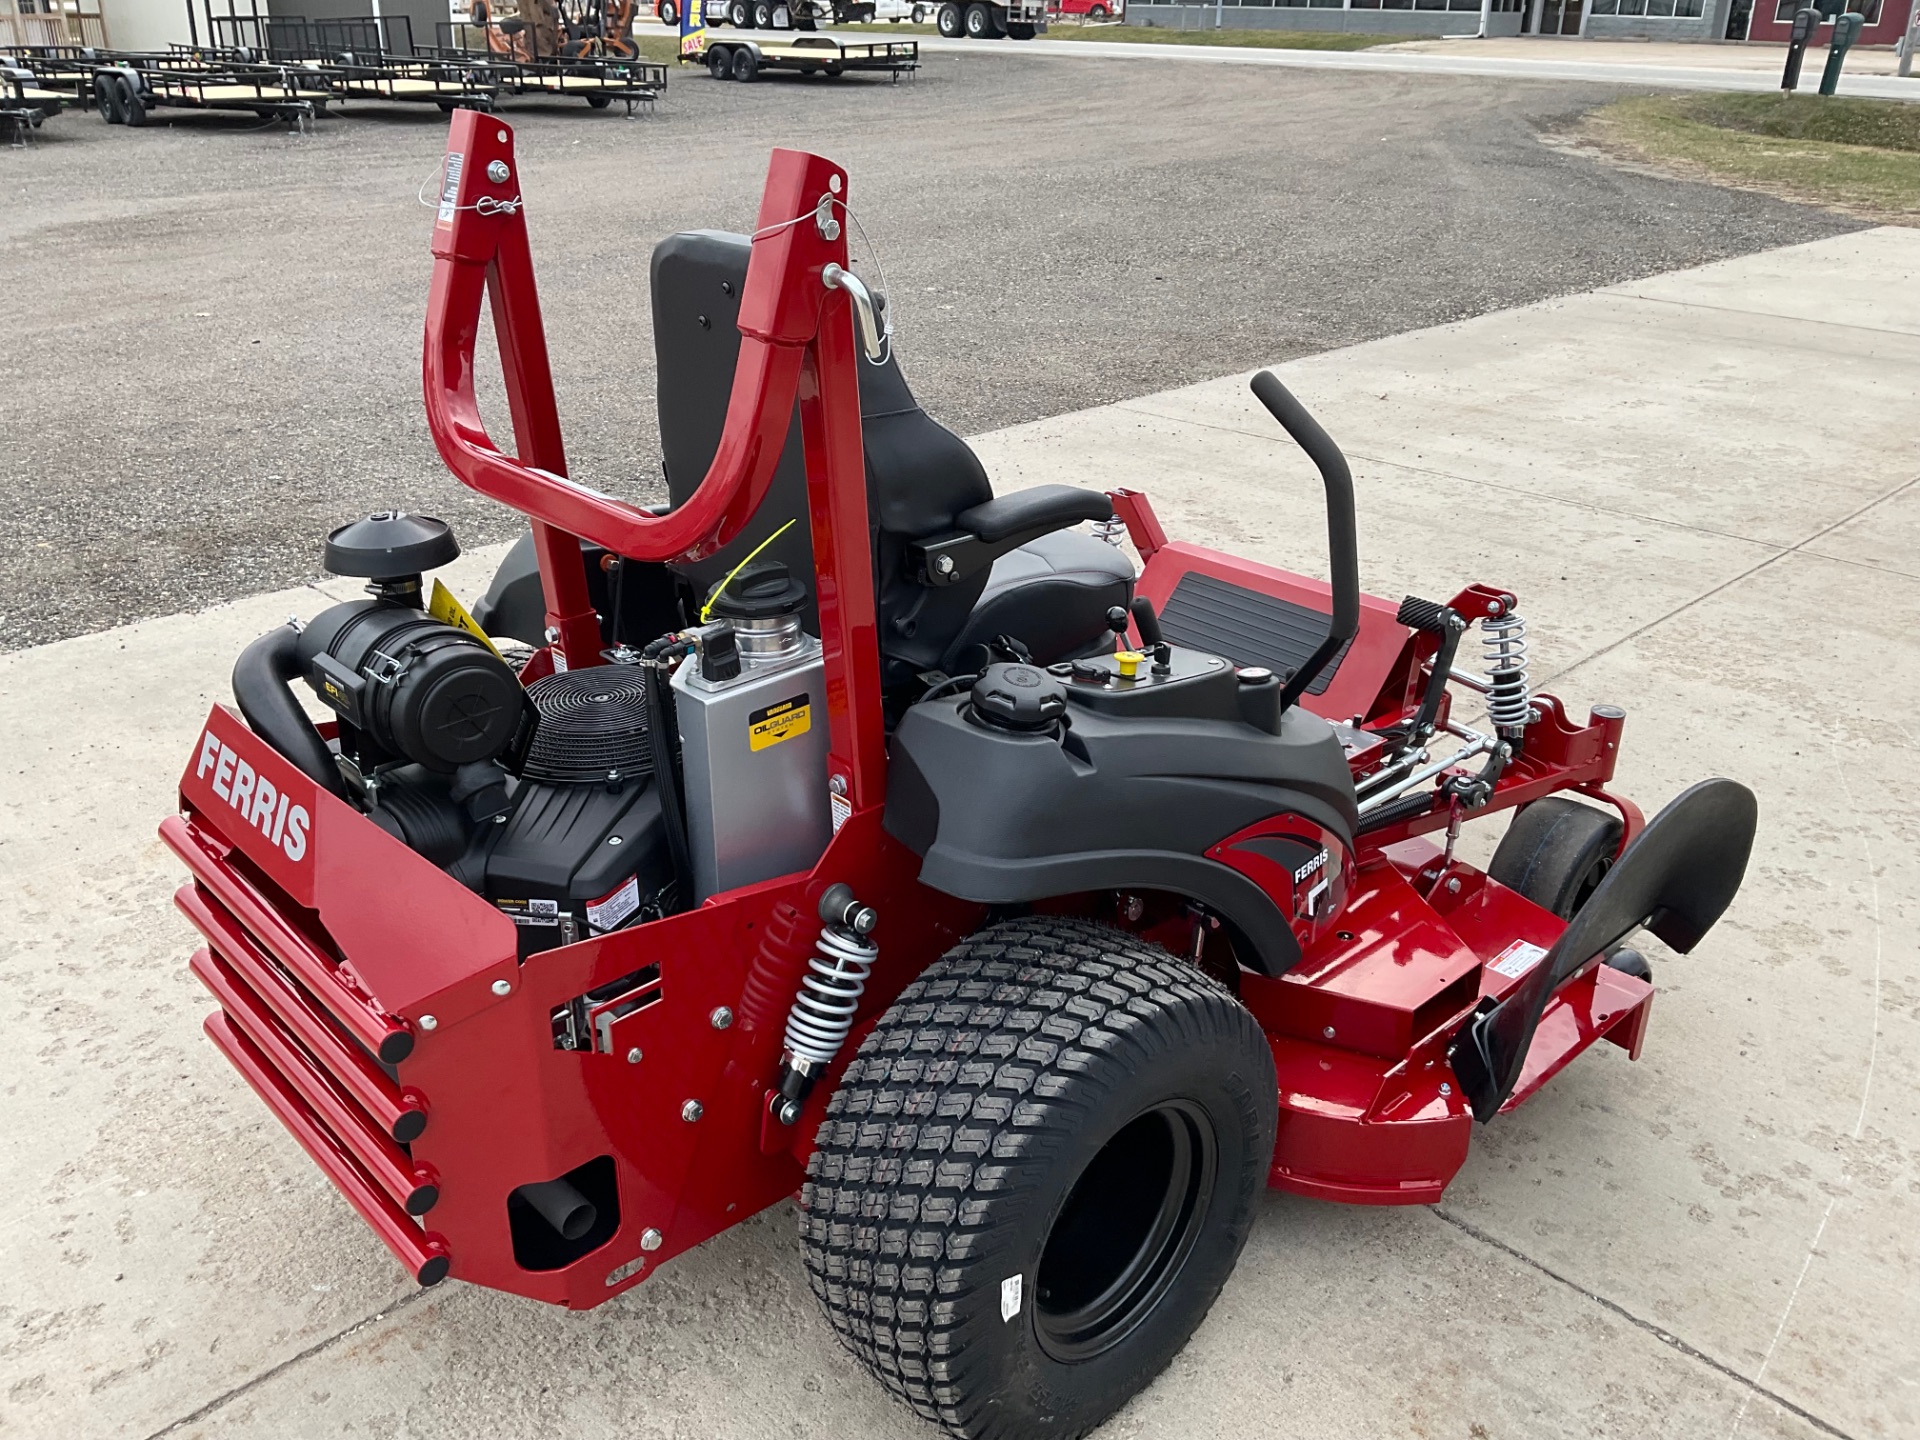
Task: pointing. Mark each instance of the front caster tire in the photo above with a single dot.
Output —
(1556, 852)
(1036, 1175)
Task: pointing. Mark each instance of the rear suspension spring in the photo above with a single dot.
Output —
(829, 995)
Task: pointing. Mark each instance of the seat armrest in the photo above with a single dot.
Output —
(987, 531)
(1033, 513)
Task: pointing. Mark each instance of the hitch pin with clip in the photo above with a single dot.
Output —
(866, 311)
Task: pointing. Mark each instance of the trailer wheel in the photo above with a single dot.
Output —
(1036, 1175)
(599, 102)
(719, 62)
(133, 110)
(107, 97)
(949, 21)
(1556, 852)
(746, 64)
(979, 22)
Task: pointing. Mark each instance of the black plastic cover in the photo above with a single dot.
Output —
(1111, 801)
(567, 848)
(390, 543)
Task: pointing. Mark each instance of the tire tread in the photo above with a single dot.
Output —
(959, 1094)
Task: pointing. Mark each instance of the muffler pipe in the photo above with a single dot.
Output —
(569, 1212)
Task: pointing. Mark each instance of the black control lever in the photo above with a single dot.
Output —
(1447, 625)
(1343, 543)
(1146, 622)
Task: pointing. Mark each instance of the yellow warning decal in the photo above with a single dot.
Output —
(449, 611)
(779, 722)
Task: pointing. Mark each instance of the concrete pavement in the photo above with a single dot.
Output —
(1568, 61)
(1763, 59)
(1715, 1241)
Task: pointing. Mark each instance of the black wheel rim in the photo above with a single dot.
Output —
(1123, 1236)
(1587, 884)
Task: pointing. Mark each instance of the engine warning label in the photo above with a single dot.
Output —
(768, 727)
(530, 912)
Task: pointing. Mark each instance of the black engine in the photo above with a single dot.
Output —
(540, 798)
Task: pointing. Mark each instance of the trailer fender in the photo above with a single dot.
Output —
(1676, 879)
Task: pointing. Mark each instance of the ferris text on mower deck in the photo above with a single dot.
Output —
(1024, 915)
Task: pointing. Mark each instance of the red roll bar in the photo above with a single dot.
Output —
(796, 344)
(480, 245)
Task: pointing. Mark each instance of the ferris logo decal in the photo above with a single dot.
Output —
(253, 797)
(1309, 904)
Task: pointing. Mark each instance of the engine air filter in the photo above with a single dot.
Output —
(593, 725)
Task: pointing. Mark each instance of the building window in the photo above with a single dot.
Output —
(1867, 10)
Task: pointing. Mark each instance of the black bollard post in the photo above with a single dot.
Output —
(1805, 23)
(1846, 29)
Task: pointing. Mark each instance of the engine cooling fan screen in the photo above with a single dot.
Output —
(592, 722)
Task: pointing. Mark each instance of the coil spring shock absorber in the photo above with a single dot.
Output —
(1112, 530)
(830, 991)
(1503, 637)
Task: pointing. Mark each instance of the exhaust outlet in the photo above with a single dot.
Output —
(569, 1212)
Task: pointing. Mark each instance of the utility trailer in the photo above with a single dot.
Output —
(128, 86)
(599, 79)
(389, 79)
(806, 14)
(732, 59)
(25, 103)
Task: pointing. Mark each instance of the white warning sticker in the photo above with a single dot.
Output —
(610, 912)
(1009, 1298)
(842, 808)
(1517, 959)
(450, 187)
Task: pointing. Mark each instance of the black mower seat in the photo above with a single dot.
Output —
(954, 565)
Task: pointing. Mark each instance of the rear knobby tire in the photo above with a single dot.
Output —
(1058, 1121)
(1556, 852)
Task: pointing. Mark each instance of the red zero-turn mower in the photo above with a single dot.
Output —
(853, 831)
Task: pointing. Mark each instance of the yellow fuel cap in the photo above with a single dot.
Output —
(1129, 662)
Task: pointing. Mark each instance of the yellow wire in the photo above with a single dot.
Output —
(707, 609)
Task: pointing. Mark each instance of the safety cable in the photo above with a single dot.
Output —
(887, 327)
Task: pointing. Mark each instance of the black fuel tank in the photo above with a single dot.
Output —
(1110, 799)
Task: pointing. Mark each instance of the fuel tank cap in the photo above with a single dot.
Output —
(1019, 697)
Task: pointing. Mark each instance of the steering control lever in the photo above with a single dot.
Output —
(1343, 544)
